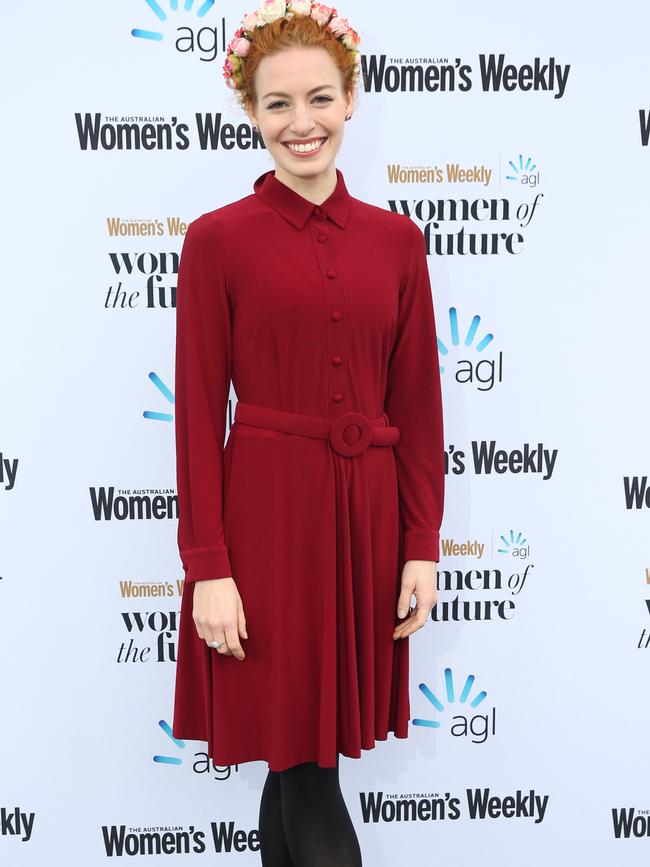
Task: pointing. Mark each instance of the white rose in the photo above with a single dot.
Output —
(300, 7)
(351, 39)
(271, 9)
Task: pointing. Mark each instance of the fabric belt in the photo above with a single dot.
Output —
(350, 434)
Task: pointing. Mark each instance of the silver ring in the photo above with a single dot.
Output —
(216, 644)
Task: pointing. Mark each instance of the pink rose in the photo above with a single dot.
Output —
(241, 46)
(338, 25)
(251, 20)
(320, 13)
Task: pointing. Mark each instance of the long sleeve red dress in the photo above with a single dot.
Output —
(332, 475)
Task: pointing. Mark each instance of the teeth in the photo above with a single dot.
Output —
(304, 148)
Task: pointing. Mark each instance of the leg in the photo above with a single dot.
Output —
(273, 844)
(318, 827)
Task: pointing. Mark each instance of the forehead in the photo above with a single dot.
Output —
(296, 70)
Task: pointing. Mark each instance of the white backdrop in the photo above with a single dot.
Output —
(545, 611)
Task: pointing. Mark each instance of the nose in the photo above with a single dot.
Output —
(301, 120)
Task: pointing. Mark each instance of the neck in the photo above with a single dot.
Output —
(315, 189)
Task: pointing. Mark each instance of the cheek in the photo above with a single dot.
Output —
(334, 123)
(272, 128)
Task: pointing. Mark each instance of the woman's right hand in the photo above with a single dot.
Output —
(218, 614)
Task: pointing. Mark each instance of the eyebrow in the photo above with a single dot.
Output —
(313, 90)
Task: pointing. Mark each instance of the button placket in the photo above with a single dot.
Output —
(336, 308)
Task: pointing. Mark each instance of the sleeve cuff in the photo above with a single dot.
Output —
(422, 545)
(203, 564)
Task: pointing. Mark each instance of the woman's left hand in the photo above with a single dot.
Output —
(419, 577)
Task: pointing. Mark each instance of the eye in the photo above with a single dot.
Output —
(280, 102)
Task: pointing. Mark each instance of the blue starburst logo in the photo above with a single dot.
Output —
(470, 335)
(161, 15)
(167, 394)
(450, 698)
(169, 760)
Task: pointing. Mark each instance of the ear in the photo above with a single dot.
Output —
(252, 119)
(349, 104)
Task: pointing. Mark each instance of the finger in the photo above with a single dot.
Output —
(406, 622)
(400, 627)
(416, 614)
(241, 623)
(200, 631)
(223, 648)
(408, 630)
(409, 614)
(404, 601)
(416, 621)
(233, 642)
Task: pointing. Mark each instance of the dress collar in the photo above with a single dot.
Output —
(295, 207)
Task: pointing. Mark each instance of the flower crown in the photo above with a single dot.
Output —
(269, 11)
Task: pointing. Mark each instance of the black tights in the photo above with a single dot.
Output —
(304, 821)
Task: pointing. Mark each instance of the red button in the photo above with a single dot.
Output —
(337, 359)
(336, 316)
(322, 238)
(338, 397)
(331, 274)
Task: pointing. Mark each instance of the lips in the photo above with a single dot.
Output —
(322, 139)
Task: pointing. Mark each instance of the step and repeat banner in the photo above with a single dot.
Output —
(518, 144)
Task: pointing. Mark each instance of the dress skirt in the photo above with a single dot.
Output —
(314, 546)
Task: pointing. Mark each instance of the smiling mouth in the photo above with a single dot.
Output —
(310, 148)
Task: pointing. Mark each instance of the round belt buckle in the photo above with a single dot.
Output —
(351, 433)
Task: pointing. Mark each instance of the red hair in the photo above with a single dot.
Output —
(300, 30)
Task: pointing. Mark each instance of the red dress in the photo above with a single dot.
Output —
(319, 313)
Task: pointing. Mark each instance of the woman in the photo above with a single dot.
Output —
(307, 535)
